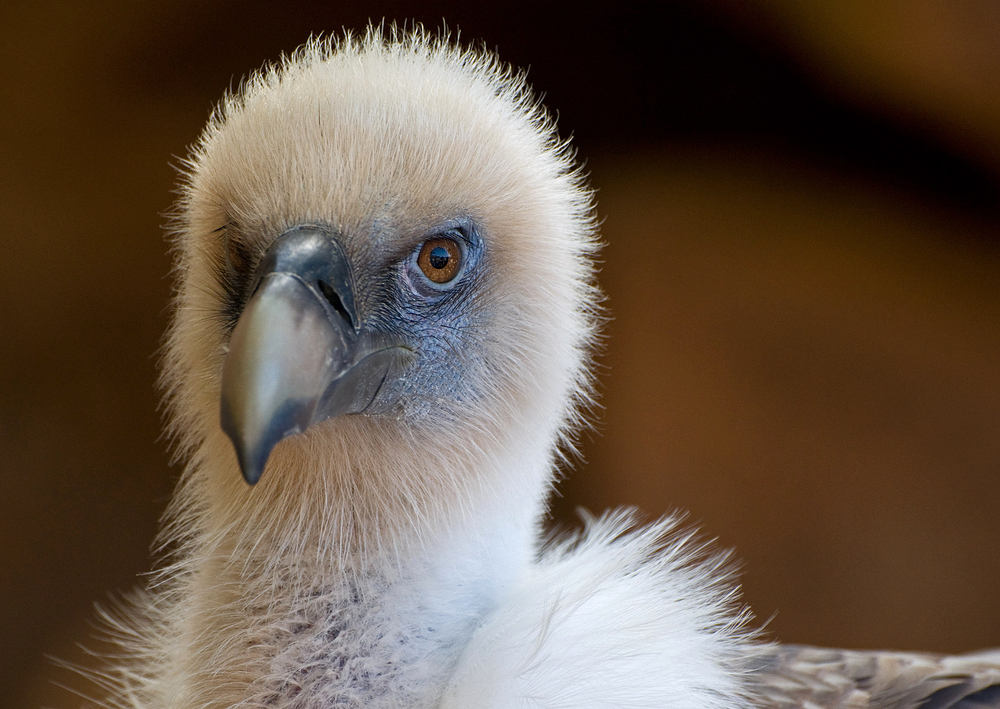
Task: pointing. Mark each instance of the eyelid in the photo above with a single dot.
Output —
(460, 234)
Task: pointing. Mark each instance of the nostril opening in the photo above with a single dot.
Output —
(335, 301)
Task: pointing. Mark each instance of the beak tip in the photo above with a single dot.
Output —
(252, 462)
(252, 459)
(251, 473)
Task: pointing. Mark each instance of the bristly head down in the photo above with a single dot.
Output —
(415, 195)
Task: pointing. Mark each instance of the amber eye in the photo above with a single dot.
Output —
(440, 260)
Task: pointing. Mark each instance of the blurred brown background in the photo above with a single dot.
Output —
(800, 202)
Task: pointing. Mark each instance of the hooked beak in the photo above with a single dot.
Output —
(297, 355)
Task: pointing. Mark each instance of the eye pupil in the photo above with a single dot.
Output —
(440, 260)
(439, 257)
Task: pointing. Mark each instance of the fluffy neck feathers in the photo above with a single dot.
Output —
(391, 560)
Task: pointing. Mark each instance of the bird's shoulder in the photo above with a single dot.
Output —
(612, 612)
(792, 676)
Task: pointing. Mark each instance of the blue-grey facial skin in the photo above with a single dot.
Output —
(385, 340)
(443, 324)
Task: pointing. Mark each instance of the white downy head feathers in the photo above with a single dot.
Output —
(392, 558)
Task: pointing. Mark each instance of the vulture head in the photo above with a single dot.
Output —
(385, 304)
(383, 320)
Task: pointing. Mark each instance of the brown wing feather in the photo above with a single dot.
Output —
(794, 676)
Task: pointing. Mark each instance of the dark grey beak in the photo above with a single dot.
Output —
(297, 355)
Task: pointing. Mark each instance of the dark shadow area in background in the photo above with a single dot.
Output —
(632, 73)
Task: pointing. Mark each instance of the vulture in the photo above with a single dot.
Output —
(381, 348)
